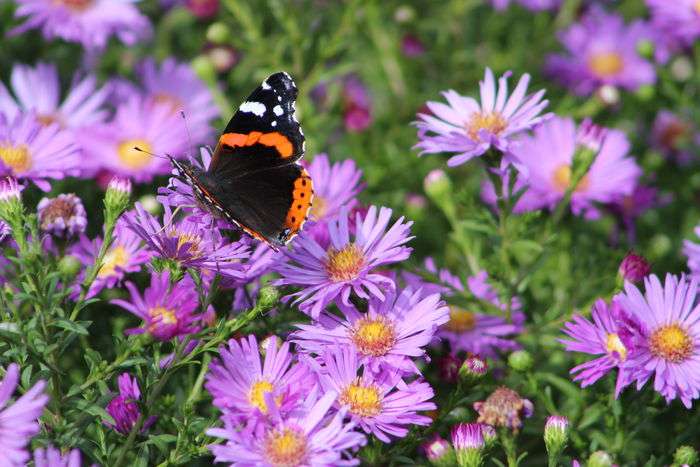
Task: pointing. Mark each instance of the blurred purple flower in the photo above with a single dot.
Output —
(357, 111)
(240, 383)
(692, 251)
(177, 86)
(203, 8)
(678, 20)
(412, 46)
(634, 267)
(607, 338)
(35, 152)
(629, 207)
(89, 22)
(147, 124)
(381, 404)
(533, 5)
(52, 457)
(312, 436)
(668, 340)
(468, 128)
(392, 331)
(602, 49)
(20, 418)
(167, 310)
(672, 135)
(346, 266)
(335, 186)
(187, 244)
(62, 216)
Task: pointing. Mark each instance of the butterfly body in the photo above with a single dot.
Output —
(254, 179)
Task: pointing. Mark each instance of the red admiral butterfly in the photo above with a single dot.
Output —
(254, 179)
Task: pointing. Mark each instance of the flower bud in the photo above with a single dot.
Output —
(150, 204)
(69, 266)
(268, 297)
(468, 443)
(473, 369)
(645, 48)
(117, 196)
(685, 455)
(439, 452)
(634, 268)
(520, 360)
(218, 33)
(646, 92)
(556, 434)
(608, 94)
(11, 208)
(449, 368)
(599, 459)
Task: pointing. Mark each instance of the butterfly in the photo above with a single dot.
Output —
(254, 179)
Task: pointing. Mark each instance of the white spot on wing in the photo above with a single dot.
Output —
(255, 107)
(266, 86)
(274, 123)
(278, 110)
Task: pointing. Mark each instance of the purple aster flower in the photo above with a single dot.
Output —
(166, 309)
(672, 135)
(468, 128)
(602, 50)
(176, 85)
(239, 381)
(90, 22)
(692, 251)
(668, 338)
(346, 266)
(52, 457)
(532, 5)
(357, 111)
(388, 335)
(680, 19)
(62, 216)
(188, 244)
(125, 255)
(607, 338)
(124, 408)
(261, 261)
(20, 418)
(35, 152)
(612, 175)
(310, 437)
(146, 124)
(381, 404)
(335, 186)
(83, 105)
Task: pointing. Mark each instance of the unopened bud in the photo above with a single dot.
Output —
(117, 196)
(439, 452)
(556, 434)
(634, 268)
(685, 455)
(520, 360)
(473, 369)
(468, 443)
(600, 459)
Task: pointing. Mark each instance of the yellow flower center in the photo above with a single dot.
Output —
(133, 158)
(117, 256)
(187, 238)
(162, 315)
(286, 447)
(614, 344)
(374, 337)
(16, 157)
(319, 208)
(364, 401)
(171, 101)
(256, 396)
(492, 122)
(460, 320)
(562, 179)
(606, 64)
(344, 264)
(672, 343)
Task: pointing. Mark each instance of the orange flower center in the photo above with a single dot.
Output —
(16, 157)
(672, 343)
(286, 447)
(614, 344)
(344, 264)
(161, 316)
(460, 320)
(374, 336)
(361, 400)
(492, 122)
(606, 64)
(562, 179)
(133, 158)
(75, 5)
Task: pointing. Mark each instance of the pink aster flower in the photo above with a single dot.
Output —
(387, 336)
(381, 404)
(239, 381)
(612, 175)
(312, 436)
(89, 22)
(176, 85)
(167, 310)
(147, 124)
(52, 457)
(668, 338)
(602, 50)
(186, 243)
(20, 418)
(468, 128)
(607, 338)
(345, 266)
(82, 105)
(35, 152)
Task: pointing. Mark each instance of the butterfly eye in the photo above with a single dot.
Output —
(283, 235)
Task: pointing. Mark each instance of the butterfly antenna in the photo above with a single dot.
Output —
(159, 156)
(187, 130)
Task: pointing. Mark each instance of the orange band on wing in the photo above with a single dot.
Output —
(274, 139)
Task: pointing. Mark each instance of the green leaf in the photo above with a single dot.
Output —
(77, 327)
